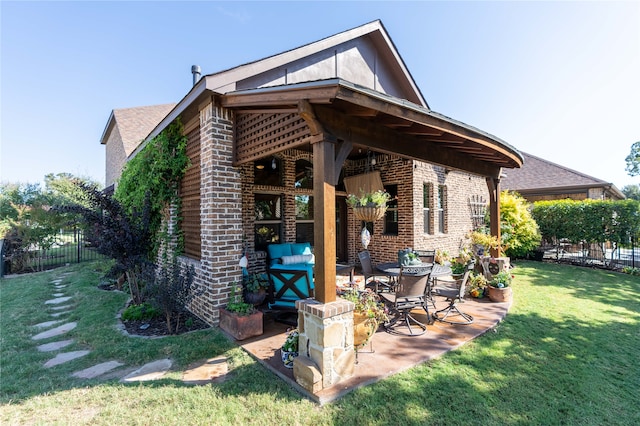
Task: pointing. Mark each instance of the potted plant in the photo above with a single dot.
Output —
(239, 318)
(482, 243)
(289, 349)
(255, 288)
(477, 285)
(369, 206)
(500, 287)
(368, 313)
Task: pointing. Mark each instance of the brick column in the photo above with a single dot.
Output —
(327, 355)
(221, 213)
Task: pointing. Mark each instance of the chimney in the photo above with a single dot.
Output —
(196, 71)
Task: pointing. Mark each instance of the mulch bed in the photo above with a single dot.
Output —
(157, 327)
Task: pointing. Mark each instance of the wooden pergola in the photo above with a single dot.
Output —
(334, 119)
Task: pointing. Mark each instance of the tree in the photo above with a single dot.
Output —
(633, 160)
(632, 192)
(123, 236)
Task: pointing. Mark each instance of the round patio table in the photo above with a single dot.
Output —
(392, 269)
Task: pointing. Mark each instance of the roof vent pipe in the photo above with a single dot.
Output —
(196, 71)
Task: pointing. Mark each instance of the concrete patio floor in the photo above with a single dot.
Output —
(391, 353)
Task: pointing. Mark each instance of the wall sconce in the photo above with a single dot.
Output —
(259, 166)
(273, 163)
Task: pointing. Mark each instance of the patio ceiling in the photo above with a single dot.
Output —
(365, 118)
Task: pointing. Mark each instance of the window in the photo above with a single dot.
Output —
(268, 220)
(426, 208)
(441, 208)
(267, 171)
(304, 219)
(304, 174)
(391, 216)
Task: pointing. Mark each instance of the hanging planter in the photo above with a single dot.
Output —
(369, 214)
(369, 206)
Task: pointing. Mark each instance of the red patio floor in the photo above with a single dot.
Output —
(392, 353)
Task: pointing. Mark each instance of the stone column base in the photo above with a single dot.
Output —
(327, 355)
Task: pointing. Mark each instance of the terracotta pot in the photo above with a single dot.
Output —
(363, 329)
(241, 327)
(369, 214)
(500, 294)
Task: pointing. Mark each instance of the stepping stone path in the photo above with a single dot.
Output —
(54, 346)
(214, 369)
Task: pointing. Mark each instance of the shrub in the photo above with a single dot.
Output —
(143, 311)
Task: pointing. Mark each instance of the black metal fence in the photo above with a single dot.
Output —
(69, 247)
(607, 255)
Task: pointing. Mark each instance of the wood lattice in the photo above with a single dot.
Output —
(478, 206)
(258, 135)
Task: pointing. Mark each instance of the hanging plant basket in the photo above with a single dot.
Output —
(369, 214)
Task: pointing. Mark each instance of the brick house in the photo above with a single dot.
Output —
(272, 141)
(126, 128)
(539, 179)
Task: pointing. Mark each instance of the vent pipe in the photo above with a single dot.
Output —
(196, 71)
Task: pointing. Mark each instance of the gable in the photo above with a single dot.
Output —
(364, 55)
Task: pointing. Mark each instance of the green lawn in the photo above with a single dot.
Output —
(565, 354)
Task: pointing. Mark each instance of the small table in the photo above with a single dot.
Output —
(342, 268)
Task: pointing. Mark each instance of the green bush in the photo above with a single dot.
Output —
(143, 311)
(519, 230)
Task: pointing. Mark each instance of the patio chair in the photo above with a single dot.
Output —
(426, 256)
(410, 294)
(453, 290)
(287, 286)
(370, 278)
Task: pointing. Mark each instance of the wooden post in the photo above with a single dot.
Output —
(324, 225)
(493, 183)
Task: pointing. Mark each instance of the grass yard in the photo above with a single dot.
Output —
(565, 354)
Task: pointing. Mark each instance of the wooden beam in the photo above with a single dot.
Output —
(324, 224)
(494, 211)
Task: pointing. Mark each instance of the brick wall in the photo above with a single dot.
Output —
(115, 157)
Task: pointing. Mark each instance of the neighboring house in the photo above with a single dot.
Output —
(125, 130)
(271, 143)
(539, 179)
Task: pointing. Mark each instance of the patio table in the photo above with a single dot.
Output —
(392, 269)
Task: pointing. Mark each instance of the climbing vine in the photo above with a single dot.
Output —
(157, 170)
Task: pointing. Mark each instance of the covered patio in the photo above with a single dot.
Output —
(391, 354)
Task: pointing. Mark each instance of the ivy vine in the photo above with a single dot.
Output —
(157, 169)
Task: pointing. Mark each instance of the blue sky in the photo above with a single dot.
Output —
(559, 80)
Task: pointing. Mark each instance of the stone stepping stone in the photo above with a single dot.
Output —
(60, 287)
(65, 357)
(56, 282)
(57, 300)
(61, 329)
(47, 324)
(214, 369)
(54, 346)
(58, 294)
(97, 370)
(151, 371)
(59, 308)
(57, 314)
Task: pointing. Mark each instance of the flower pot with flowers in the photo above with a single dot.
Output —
(369, 312)
(500, 287)
(477, 285)
(289, 349)
(369, 206)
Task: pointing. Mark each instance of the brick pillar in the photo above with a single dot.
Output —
(221, 213)
(327, 355)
